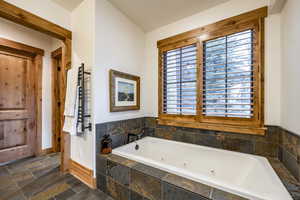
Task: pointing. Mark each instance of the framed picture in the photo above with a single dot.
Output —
(124, 91)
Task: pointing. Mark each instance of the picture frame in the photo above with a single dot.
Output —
(124, 91)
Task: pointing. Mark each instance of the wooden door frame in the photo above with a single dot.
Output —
(55, 98)
(27, 19)
(36, 55)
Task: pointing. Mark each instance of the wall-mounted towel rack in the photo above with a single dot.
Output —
(81, 127)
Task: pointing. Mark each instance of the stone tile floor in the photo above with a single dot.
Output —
(39, 178)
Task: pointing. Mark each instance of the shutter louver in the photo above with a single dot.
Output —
(228, 76)
(180, 81)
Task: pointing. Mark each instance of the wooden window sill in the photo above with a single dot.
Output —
(214, 127)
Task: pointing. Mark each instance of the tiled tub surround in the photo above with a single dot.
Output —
(260, 145)
(118, 131)
(289, 152)
(124, 179)
(234, 172)
(277, 143)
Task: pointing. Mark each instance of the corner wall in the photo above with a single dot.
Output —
(103, 39)
(120, 45)
(83, 49)
(290, 66)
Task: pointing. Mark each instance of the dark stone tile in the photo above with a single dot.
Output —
(145, 185)
(298, 153)
(83, 195)
(101, 164)
(184, 136)
(133, 124)
(239, 145)
(121, 160)
(273, 134)
(43, 183)
(281, 170)
(89, 194)
(24, 164)
(150, 171)
(41, 171)
(150, 122)
(117, 191)
(211, 139)
(77, 186)
(188, 185)
(291, 163)
(266, 149)
(118, 172)
(290, 142)
(51, 191)
(280, 153)
(171, 192)
(221, 195)
(101, 182)
(65, 195)
(294, 189)
(165, 132)
(118, 140)
(136, 196)
(11, 192)
(115, 128)
(26, 181)
(3, 171)
(101, 129)
(99, 195)
(149, 132)
(5, 181)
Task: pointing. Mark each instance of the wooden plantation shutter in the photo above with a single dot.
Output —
(213, 77)
(180, 80)
(228, 76)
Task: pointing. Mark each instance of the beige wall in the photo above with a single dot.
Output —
(120, 45)
(290, 117)
(83, 28)
(104, 38)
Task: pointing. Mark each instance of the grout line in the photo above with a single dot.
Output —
(211, 193)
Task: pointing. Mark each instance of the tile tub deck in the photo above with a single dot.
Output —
(124, 179)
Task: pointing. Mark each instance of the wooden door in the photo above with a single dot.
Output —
(17, 107)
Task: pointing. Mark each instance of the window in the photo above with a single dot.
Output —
(228, 76)
(213, 77)
(180, 75)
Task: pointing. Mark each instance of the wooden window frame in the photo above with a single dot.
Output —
(254, 21)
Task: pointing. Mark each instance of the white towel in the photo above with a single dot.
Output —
(71, 93)
(71, 102)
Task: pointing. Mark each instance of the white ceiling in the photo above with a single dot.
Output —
(152, 14)
(68, 4)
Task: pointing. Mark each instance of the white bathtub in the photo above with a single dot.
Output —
(246, 175)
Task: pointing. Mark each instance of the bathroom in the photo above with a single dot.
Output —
(151, 100)
(160, 170)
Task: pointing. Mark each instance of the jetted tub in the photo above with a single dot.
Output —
(242, 174)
